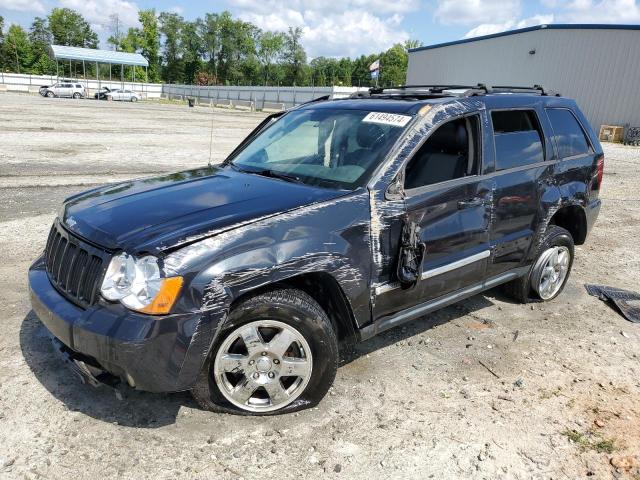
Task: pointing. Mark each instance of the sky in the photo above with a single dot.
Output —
(353, 27)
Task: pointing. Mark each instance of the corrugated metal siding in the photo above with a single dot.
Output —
(600, 69)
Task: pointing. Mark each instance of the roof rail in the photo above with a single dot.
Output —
(425, 90)
(449, 91)
(538, 89)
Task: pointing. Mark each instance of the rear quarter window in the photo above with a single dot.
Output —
(518, 138)
(568, 135)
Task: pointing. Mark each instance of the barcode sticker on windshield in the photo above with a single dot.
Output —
(387, 118)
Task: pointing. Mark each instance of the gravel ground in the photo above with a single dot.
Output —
(483, 389)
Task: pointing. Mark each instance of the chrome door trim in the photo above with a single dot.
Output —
(454, 265)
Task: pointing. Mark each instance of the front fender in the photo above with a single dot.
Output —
(331, 237)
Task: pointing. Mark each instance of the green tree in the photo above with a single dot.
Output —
(271, 45)
(40, 38)
(170, 28)
(68, 27)
(117, 33)
(393, 66)
(294, 56)
(192, 47)
(150, 42)
(3, 63)
(411, 44)
(17, 50)
(210, 35)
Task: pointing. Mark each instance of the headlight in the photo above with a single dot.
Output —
(139, 285)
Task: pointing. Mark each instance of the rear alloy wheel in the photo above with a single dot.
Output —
(76, 95)
(277, 353)
(551, 271)
(134, 99)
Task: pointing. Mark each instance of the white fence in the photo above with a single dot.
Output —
(254, 98)
(248, 98)
(31, 83)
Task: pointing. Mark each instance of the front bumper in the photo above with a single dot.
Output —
(153, 353)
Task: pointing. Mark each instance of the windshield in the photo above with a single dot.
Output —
(323, 147)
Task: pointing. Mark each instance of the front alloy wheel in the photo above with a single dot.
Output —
(263, 366)
(276, 353)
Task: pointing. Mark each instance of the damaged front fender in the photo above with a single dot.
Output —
(330, 237)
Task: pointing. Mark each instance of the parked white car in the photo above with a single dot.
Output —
(123, 95)
(64, 89)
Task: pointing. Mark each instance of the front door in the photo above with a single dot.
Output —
(449, 202)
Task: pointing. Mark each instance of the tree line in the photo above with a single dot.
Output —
(217, 49)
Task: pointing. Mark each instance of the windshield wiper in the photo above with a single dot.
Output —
(269, 173)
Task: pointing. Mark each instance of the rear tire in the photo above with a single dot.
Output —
(76, 95)
(134, 99)
(538, 284)
(257, 366)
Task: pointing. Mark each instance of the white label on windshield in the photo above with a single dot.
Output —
(387, 118)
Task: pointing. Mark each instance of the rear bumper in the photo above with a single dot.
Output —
(150, 352)
(591, 212)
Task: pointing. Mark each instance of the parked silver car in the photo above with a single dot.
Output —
(124, 95)
(64, 89)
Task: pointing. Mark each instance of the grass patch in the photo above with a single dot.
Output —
(588, 442)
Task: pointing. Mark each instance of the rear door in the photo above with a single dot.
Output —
(521, 173)
(66, 90)
(449, 201)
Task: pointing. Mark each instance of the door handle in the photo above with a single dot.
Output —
(472, 202)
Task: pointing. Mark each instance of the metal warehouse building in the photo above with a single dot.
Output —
(597, 65)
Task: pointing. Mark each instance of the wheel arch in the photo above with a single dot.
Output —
(573, 219)
(325, 289)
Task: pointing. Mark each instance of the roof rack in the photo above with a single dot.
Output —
(428, 90)
(431, 91)
(538, 89)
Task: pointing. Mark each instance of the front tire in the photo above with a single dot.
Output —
(50, 94)
(277, 353)
(550, 270)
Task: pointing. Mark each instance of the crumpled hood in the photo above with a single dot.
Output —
(154, 214)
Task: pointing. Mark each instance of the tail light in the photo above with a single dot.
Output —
(600, 171)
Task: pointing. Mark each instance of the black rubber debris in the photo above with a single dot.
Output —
(628, 303)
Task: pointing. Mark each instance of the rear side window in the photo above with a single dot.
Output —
(518, 138)
(568, 134)
(78, 86)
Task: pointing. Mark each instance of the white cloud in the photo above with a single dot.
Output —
(603, 11)
(347, 28)
(469, 12)
(98, 12)
(489, 28)
(23, 5)
(177, 9)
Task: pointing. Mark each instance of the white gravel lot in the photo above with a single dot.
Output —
(415, 402)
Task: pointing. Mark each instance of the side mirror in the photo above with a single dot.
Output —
(395, 190)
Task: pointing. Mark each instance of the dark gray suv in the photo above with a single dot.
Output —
(328, 224)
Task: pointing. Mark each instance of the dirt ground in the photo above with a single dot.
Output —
(483, 389)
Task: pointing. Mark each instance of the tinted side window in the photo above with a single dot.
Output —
(452, 151)
(568, 134)
(518, 138)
